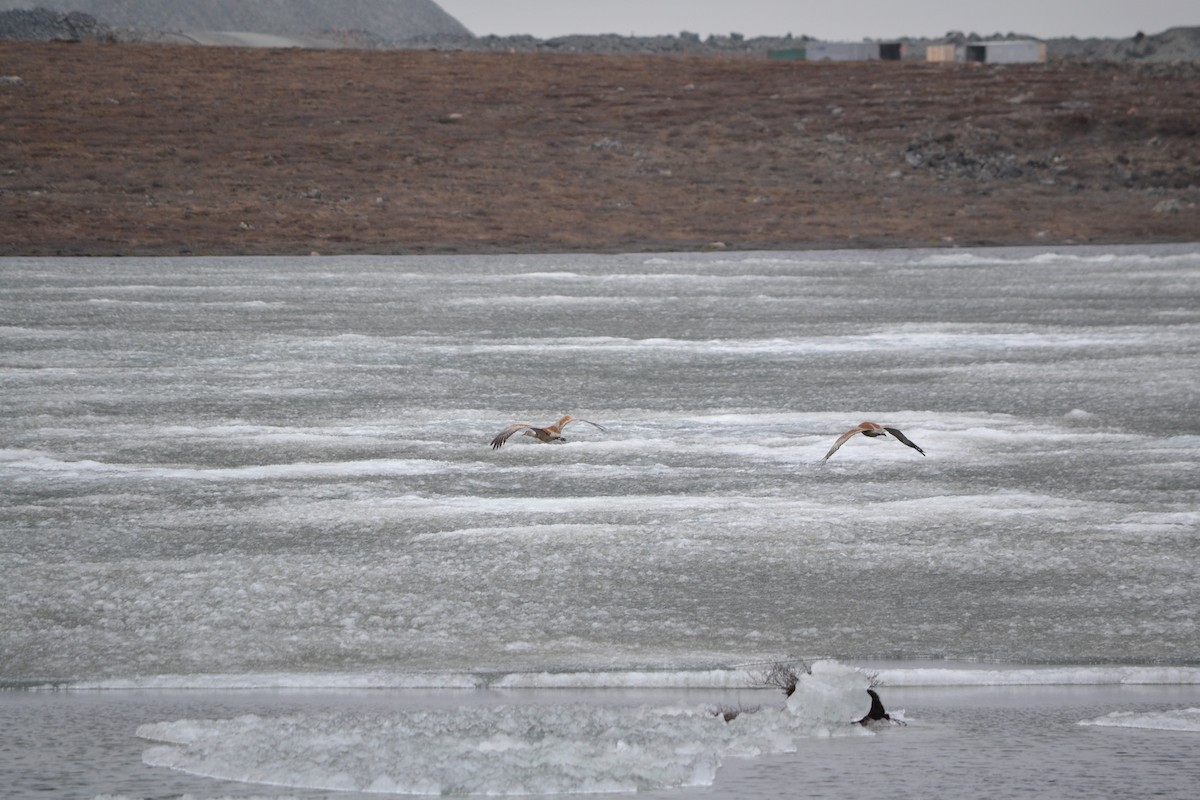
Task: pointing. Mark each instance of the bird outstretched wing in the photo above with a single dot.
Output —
(568, 419)
(900, 437)
(841, 440)
(503, 435)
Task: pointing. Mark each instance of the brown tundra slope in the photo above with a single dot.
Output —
(161, 149)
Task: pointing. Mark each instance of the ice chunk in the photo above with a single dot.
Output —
(506, 750)
(831, 696)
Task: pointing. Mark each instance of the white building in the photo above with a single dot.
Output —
(1020, 51)
(854, 51)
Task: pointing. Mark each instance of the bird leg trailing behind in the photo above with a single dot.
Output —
(872, 430)
(551, 434)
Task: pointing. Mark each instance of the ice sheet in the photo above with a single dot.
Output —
(511, 749)
(222, 469)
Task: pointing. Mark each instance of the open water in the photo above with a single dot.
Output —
(254, 541)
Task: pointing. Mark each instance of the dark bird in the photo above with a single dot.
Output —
(550, 433)
(877, 711)
(871, 429)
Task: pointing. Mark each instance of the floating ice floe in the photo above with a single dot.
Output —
(511, 749)
(1181, 719)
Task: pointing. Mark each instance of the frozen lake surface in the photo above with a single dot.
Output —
(273, 475)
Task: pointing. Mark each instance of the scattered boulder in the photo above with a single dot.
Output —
(43, 25)
(1170, 206)
(949, 158)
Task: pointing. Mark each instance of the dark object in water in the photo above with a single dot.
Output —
(877, 711)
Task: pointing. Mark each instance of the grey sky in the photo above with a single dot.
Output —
(826, 20)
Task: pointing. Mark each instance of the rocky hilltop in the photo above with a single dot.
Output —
(379, 21)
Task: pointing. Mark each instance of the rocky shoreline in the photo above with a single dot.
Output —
(151, 149)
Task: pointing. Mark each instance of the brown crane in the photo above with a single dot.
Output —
(548, 434)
